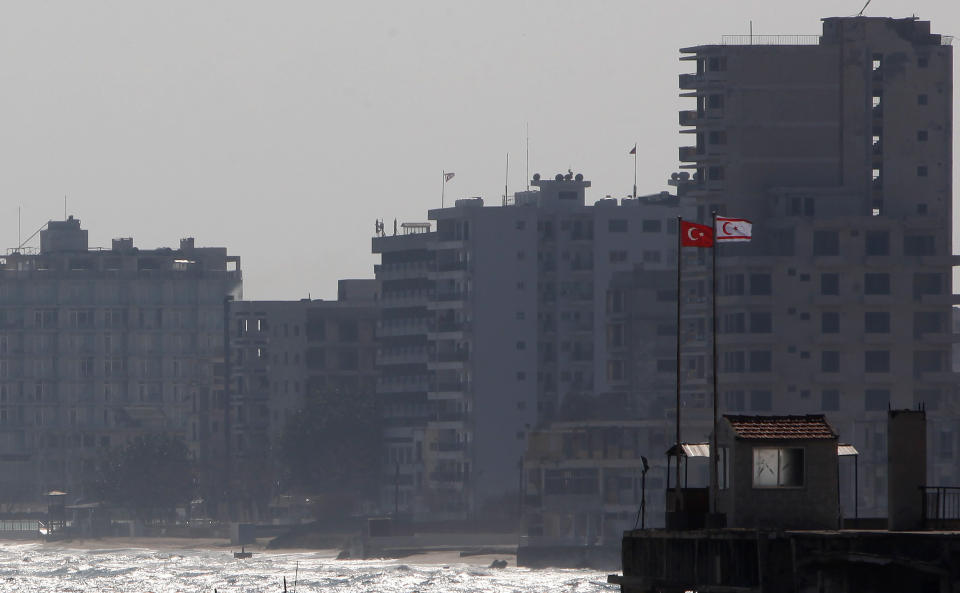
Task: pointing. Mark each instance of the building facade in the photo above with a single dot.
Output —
(99, 346)
(282, 353)
(493, 324)
(838, 148)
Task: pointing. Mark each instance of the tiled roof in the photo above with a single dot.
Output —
(811, 426)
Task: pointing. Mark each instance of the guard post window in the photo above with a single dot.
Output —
(777, 467)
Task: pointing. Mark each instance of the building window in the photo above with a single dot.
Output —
(715, 173)
(734, 400)
(652, 226)
(919, 245)
(780, 467)
(876, 283)
(761, 361)
(521, 345)
(922, 171)
(521, 224)
(876, 322)
(717, 64)
(923, 61)
(761, 400)
(733, 362)
(733, 284)
(618, 256)
(927, 322)
(830, 284)
(734, 323)
(922, 136)
(921, 99)
(876, 400)
(651, 257)
(877, 243)
(926, 283)
(830, 322)
(715, 102)
(830, 361)
(718, 137)
(617, 225)
(760, 284)
(927, 361)
(830, 400)
(666, 365)
(826, 243)
(761, 322)
(876, 361)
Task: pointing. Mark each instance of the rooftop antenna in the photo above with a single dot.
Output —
(864, 8)
(751, 32)
(506, 180)
(19, 234)
(528, 157)
(64, 206)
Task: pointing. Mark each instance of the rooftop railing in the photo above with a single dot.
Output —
(770, 40)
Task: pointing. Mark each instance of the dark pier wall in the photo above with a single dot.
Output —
(789, 562)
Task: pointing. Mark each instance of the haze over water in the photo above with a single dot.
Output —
(35, 567)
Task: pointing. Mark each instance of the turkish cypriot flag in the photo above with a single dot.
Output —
(733, 229)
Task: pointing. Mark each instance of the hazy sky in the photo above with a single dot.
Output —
(282, 130)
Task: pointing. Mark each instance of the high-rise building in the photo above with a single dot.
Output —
(101, 345)
(493, 324)
(838, 148)
(281, 353)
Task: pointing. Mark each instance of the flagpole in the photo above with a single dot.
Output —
(714, 451)
(443, 187)
(635, 177)
(679, 500)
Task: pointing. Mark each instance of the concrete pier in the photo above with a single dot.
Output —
(750, 560)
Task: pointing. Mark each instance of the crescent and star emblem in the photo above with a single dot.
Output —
(728, 231)
(692, 236)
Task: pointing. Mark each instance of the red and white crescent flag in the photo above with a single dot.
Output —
(448, 176)
(733, 229)
(695, 235)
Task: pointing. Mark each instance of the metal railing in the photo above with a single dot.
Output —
(770, 40)
(940, 503)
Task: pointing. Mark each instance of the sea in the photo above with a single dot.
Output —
(37, 567)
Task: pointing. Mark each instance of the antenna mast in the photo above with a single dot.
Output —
(528, 156)
(506, 180)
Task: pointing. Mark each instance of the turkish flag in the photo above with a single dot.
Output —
(695, 235)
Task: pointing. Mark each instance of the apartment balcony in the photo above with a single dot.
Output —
(449, 391)
(399, 387)
(691, 81)
(449, 361)
(401, 357)
(691, 117)
(449, 447)
(443, 477)
(448, 329)
(690, 154)
(402, 329)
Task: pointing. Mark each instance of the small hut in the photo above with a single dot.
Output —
(778, 472)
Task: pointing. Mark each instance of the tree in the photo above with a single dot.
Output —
(332, 446)
(150, 475)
